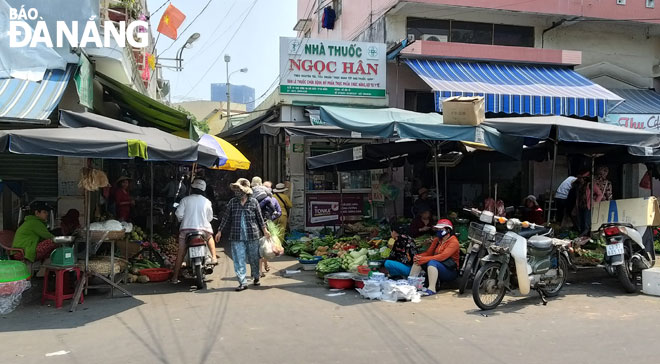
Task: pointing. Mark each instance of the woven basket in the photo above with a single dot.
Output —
(101, 265)
(99, 235)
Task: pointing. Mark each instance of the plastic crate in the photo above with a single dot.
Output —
(308, 266)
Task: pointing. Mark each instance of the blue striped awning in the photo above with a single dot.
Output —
(25, 101)
(515, 89)
(637, 102)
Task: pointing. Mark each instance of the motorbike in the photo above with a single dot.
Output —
(198, 258)
(523, 261)
(626, 254)
(480, 234)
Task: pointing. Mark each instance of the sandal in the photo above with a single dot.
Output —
(262, 275)
(175, 281)
(427, 292)
(267, 268)
(241, 288)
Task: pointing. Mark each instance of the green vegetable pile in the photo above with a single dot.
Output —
(353, 259)
(330, 265)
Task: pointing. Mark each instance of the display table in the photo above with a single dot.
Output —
(110, 282)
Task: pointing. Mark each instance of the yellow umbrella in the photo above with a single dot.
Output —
(230, 158)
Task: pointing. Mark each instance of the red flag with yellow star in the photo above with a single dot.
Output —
(170, 22)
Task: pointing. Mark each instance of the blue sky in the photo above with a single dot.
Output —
(255, 45)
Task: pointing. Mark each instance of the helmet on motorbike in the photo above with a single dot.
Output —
(444, 223)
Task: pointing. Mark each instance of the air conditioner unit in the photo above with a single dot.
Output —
(621, 2)
(434, 37)
(650, 3)
(411, 38)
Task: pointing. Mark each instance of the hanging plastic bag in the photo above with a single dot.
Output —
(266, 248)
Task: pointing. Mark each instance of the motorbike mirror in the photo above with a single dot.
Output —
(175, 205)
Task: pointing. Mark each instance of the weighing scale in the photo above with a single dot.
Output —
(64, 256)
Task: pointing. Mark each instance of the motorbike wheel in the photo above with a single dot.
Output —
(199, 277)
(468, 274)
(485, 292)
(626, 278)
(552, 291)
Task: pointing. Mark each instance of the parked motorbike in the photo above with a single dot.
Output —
(198, 258)
(626, 255)
(521, 260)
(480, 234)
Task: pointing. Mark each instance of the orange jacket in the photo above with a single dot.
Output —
(441, 251)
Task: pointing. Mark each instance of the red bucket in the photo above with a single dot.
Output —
(156, 274)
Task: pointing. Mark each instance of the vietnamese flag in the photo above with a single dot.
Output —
(170, 22)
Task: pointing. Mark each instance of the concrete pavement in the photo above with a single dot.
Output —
(292, 320)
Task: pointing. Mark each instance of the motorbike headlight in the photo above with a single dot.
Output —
(511, 224)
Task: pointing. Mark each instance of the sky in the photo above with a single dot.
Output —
(255, 44)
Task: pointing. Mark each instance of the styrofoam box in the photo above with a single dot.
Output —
(651, 281)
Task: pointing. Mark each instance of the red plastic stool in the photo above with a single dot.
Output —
(58, 295)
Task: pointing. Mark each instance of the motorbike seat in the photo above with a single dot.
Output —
(540, 242)
(528, 233)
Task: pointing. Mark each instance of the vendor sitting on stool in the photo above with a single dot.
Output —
(33, 235)
(532, 211)
(422, 224)
(441, 259)
(403, 251)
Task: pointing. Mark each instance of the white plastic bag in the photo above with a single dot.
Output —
(266, 248)
(10, 295)
(371, 290)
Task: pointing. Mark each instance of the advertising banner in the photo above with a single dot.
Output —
(323, 209)
(332, 68)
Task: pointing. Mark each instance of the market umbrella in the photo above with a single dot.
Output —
(229, 158)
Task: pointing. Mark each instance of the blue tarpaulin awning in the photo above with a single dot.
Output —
(398, 123)
(637, 102)
(28, 101)
(515, 89)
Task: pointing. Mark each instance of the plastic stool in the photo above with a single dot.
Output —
(58, 295)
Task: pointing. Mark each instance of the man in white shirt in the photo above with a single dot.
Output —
(195, 213)
(561, 198)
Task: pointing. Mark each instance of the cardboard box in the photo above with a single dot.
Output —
(635, 211)
(460, 110)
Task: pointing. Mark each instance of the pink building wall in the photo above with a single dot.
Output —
(355, 15)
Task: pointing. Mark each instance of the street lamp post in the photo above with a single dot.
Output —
(242, 70)
(179, 61)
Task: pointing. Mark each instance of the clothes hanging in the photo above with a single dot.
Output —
(329, 18)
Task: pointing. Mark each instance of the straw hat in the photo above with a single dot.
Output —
(242, 185)
(256, 181)
(280, 187)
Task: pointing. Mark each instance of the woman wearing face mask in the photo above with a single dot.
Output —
(441, 259)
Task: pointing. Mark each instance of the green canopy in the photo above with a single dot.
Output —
(143, 108)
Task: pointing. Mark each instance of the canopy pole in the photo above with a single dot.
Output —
(445, 196)
(591, 201)
(437, 183)
(151, 210)
(552, 180)
(489, 180)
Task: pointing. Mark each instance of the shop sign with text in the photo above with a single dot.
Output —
(332, 68)
(648, 122)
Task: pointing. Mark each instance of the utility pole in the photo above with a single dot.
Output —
(227, 59)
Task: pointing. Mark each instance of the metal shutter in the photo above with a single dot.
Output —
(39, 174)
